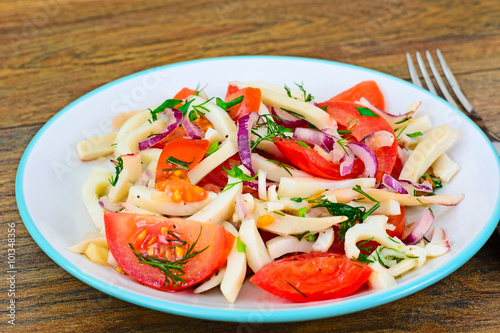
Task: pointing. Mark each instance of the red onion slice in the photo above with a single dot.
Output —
(288, 119)
(144, 178)
(245, 125)
(337, 153)
(367, 156)
(106, 203)
(173, 118)
(347, 163)
(391, 119)
(314, 137)
(379, 139)
(193, 130)
(393, 184)
(423, 225)
(424, 187)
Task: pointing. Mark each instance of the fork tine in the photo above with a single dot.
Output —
(425, 74)
(413, 72)
(439, 81)
(453, 83)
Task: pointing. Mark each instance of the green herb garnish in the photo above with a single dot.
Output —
(302, 211)
(178, 163)
(212, 148)
(413, 135)
(169, 103)
(230, 104)
(118, 168)
(366, 112)
(237, 173)
(240, 246)
(302, 144)
(282, 165)
(272, 129)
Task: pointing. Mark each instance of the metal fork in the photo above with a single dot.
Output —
(495, 139)
(455, 87)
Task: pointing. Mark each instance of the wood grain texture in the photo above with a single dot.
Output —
(52, 52)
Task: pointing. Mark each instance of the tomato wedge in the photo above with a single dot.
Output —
(366, 89)
(166, 239)
(312, 277)
(187, 150)
(184, 93)
(347, 114)
(399, 222)
(250, 103)
(310, 161)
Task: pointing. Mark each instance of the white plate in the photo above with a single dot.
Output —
(50, 177)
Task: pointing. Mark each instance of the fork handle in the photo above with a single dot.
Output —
(494, 138)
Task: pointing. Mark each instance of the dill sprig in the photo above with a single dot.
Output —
(272, 129)
(358, 189)
(282, 165)
(178, 163)
(118, 168)
(173, 270)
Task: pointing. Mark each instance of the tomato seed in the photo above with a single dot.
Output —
(152, 240)
(140, 237)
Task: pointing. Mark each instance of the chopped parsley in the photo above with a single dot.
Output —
(212, 148)
(413, 135)
(301, 235)
(237, 173)
(230, 104)
(169, 103)
(302, 211)
(366, 112)
(302, 144)
(240, 246)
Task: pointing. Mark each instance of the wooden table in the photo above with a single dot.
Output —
(54, 51)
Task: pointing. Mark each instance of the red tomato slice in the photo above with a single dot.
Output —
(184, 93)
(312, 277)
(231, 89)
(366, 89)
(153, 235)
(250, 103)
(177, 133)
(399, 222)
(310, 161)
(346, 114)
(187, 150)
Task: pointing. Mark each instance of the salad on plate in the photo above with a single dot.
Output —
(308, 199)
